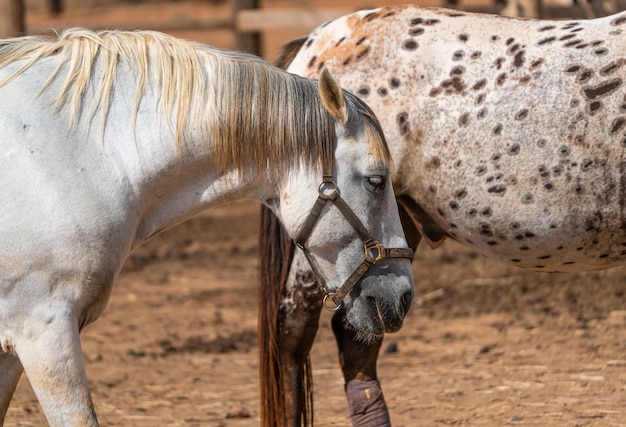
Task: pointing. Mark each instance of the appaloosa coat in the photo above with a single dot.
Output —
(509, 134)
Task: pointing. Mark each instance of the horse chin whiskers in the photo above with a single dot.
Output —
(362, 334)
(367, 337)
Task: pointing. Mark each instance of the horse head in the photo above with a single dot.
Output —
(345, 219)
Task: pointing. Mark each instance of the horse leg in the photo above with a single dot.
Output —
(289, 309)
(49, 350)
(358, 359)
(298, 321)
(366, 402)
(10, 373)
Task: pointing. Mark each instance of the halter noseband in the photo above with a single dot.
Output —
(374, 251)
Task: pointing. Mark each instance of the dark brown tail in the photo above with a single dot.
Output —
(275, 255)
(289, 51)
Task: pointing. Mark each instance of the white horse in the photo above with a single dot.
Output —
(109, 138)
(508, 136)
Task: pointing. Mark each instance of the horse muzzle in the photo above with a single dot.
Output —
(382, 298)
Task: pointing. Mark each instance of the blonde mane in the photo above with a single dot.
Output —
(255, 113)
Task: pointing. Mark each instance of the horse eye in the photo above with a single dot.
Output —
(377, 182)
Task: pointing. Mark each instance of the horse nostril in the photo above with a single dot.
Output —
(405, 302)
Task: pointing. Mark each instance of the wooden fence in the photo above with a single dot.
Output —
(11, 18)
(246, 19)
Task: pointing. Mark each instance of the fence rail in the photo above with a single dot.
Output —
(244, 18)
(260, 20)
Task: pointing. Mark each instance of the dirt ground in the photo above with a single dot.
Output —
(485, 344)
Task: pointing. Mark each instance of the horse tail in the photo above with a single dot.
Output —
(289, 52)
(275, 254)
(307, 393)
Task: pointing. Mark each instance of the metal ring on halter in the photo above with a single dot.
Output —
(327, 190)
(374, 250)
(328, 307)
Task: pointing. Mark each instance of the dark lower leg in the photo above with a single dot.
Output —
(10, 372)
(366, 402)
(298, 321)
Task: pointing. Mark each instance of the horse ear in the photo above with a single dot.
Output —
(332, 96)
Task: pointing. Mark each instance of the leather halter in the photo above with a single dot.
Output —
(374, 251)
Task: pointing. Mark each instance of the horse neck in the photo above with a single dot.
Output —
(168, 176)
(186, 184)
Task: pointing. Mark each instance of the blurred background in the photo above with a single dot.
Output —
(257, 26)
(485, 345)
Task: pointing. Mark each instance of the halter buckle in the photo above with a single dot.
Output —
(374, 250)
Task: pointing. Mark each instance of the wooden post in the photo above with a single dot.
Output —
(56, 7)
(245, 41)
(11, 18)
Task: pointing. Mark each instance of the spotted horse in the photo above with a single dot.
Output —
(507, 135)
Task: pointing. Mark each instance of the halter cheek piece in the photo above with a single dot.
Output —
(374, 251)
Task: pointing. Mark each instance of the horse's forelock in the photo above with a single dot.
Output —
(372, 128)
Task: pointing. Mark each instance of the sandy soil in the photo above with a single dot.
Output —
(485, 345)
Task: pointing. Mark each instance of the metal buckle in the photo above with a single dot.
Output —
(328, 306)
(370, 247)
(328, 190)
